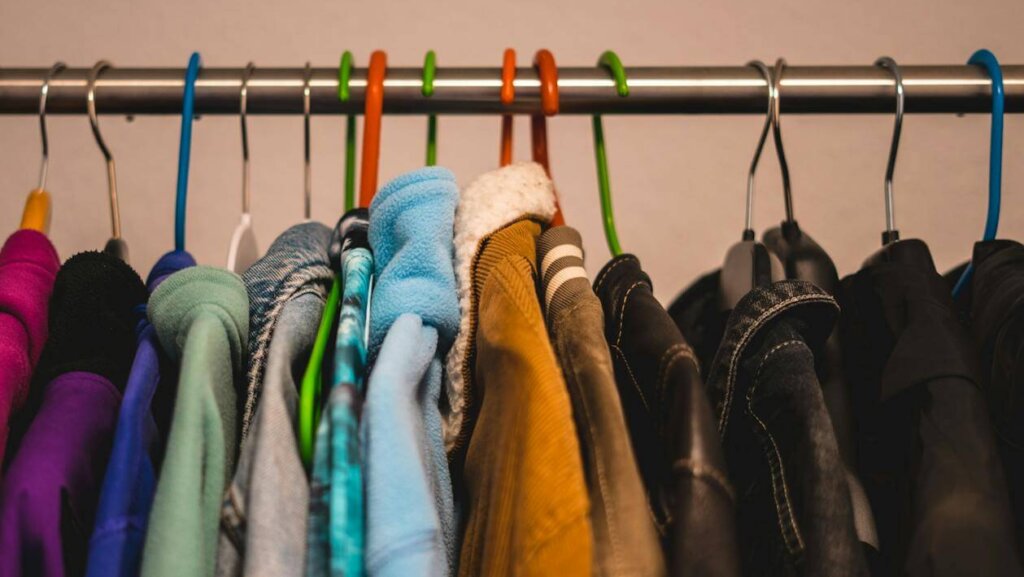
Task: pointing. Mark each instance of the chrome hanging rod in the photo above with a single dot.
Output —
(582, 90)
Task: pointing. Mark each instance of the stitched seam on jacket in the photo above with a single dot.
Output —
(730, 381)
(604, 273)
(669, 358)
(701, 472)
(783, 500)
(622, 310)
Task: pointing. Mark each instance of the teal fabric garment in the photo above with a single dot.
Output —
(201, 315)
(336, 534)
(410, 517)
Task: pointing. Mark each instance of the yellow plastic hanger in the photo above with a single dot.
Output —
(36, 215)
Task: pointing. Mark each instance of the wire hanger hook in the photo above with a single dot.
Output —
(115, 212)
(892, 235)
(748, 223)
(780, 67)
(43, 93)
(243, 107)
(307, 173)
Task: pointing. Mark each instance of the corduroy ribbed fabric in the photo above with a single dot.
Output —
(526, 499)
(626, 542)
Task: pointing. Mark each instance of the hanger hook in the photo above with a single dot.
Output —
(43, 92)
(94, 122)
(780, 67)
(609, 61)
(188, 107)
(748, 228)
(508, 96)
(307, 77)
(374, 108)
(243, 107)
(988, 60)
(429, 72)
(547, 71)
(891, 234)
(344, 75)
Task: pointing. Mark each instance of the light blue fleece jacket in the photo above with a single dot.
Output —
(414, 316)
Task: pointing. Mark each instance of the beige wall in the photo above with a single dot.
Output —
(679, 181)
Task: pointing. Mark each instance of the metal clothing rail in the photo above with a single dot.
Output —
(587, 90)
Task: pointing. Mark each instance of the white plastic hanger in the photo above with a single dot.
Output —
(244, 250)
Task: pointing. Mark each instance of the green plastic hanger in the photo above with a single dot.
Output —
(311, 390)
(610, 61)
(429, 71)
(344, 75)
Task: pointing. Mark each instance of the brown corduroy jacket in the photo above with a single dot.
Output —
(526, 503)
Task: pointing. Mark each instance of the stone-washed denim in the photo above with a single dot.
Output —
(296, 263)
(336, 534)
(795, 514)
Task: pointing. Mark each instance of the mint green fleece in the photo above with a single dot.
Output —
(201, 316)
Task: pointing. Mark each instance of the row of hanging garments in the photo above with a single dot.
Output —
(436, 387)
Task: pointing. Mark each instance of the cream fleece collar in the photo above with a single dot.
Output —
(494, 200)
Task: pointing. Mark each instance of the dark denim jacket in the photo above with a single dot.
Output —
(670, 423)
(795, 515)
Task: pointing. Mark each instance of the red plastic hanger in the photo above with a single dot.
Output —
(544, 62)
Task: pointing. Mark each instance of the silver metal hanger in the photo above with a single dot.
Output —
(780, 67)
(115, 212)
(748, 230)
(43, 93)
(308, 174)
(891, 234)
(243, 106)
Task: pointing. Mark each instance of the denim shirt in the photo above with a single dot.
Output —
(795, 512)
(265, 510)
(295, 263)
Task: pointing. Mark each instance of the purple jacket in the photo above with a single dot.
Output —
(49, 495)
(28, 265)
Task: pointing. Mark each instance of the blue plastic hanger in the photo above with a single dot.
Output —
(995, 156)
(188, 106)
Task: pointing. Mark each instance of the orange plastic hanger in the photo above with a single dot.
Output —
(544, 62)
(36, 215)
(508, 95)
(371, 126)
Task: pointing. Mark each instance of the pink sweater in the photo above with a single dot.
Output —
(28, 266)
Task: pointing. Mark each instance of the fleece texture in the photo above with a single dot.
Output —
(411, 235)
(201, 316)
(28, 267)
(410, 513)
(491, 202)
(115, 549)
(49, 497)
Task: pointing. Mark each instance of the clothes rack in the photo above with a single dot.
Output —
(582, 90)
